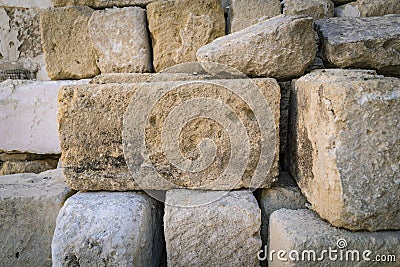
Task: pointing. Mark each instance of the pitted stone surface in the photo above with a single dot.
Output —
(29, 204)
(108, 229)
(223, 232)
(93, 153)
(345, 145)
(179, 28)
(120, 40)
(367, 43)
(281, 47)
(66, 43)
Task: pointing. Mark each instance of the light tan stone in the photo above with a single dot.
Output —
(66, 43)
(245, 13)
(179, 28)
(281, 47)
(345, 146)
(35, 166)
(147, 77)
(212, 228)
(368, 8)
(108, 229)
(317, 9)
(120, 40)
(29, 204)
(101, 3)
(91, 123)
(317, 243)
(367, 43)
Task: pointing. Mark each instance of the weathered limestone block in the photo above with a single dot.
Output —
(370, 43)
(34, 166)
(120, 40)
(66, 43)
(20, 43)
(29, 204)
(101, 3)
(243, 14)
(317, 9)
(368, 8)
(26, 3)
(281, 47)
(91, 122)
(283, 194)
(303, 236)
(28, 116)
(179, 28)
(345, 147)
(108, 229)
(216, 228)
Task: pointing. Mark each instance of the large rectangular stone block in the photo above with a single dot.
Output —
(120, 40)
(230, 138)
(301, 238)
(367, 43)
(108, 229)
(29, 204)
(28, 116)
(345, 147)
(66, 43)
(258, 51)
(212, 228)
(179, 28)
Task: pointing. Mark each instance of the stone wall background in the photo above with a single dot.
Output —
(331, 67)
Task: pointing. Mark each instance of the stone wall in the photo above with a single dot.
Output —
(229, 133)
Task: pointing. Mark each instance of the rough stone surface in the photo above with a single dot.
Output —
(147, 77)
(179, 28)
(101, 3)
(367, 43)
(91, 124)
(243, 14)
(20, 43)
(108, 229)
(281, 47)
(35, 166)
(345, 147)
(368, 8)
(317, 9)
(120, 40)
(283, 194)
(223, 232)
(303, 231)
(26, 3)
(29, 204)
(66, 43)
(28, 116)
